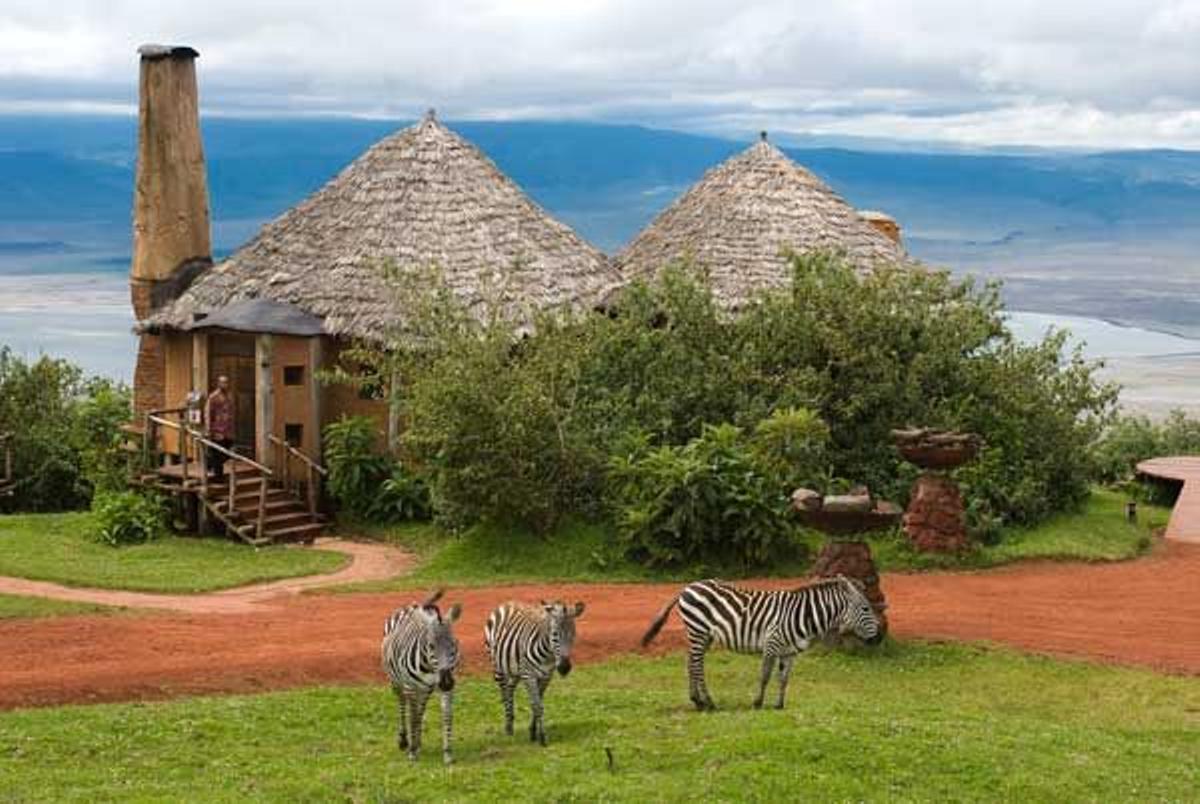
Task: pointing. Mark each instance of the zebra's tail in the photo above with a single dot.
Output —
(659, 622)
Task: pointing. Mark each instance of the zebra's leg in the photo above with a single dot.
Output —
(785, 670)
(447, 726)
(508, 688)
(402, 705)
(537, 729)
(416, 721)
(768, 665)
(697, 689)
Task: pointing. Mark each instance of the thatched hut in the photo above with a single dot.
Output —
(738, 223)
(287, 302)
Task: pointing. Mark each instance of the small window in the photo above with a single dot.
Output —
(294, 434)
(293, 375)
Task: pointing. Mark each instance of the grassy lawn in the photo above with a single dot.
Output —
(487, 555)
(582, 552)
(910, 722)
(59, 548)
(1099, 532)
(13, 606)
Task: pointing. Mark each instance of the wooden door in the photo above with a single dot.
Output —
(233, 357)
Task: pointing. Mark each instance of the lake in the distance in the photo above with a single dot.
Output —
(86, 318)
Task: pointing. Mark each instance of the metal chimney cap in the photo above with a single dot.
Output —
(167, 52)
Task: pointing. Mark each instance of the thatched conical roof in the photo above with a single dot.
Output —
(423, 197)
(740, 220)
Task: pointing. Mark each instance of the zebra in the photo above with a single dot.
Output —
(777, 624)
(420, 652)
(527, 643)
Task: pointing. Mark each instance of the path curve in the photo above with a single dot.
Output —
(1144, 612)
(368, 562)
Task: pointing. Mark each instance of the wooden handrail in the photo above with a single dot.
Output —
(312, 467)
(297, 453)
(200, 438)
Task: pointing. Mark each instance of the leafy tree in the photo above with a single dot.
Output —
(65, 431)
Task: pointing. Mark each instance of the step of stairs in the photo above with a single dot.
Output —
(286, 517)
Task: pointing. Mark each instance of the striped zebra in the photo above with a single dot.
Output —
(528, 643)
(420, 652)
(777, 624)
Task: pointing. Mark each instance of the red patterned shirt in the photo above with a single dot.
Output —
(220, 416)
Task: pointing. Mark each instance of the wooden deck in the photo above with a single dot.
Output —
(1184, 525)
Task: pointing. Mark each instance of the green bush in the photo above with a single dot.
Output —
(503, 432)
(356, 470)
(65, 432)
(1132, 439)
(709, 501)
(523, 427)
(404, 496)
(129, 517)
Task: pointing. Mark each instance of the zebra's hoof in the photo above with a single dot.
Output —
(758, 703)
(402, 743)
(412, 756)
(447, 759)
(779, 705)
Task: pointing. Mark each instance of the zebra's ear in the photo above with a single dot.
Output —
(454, 613)
(578, 608)
(434, 597)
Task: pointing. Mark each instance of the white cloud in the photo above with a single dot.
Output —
(1096, 73)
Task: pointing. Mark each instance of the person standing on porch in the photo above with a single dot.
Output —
(219, 415)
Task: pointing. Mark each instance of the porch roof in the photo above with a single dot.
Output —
(265, 316)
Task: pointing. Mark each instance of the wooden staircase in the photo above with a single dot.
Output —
(262, 511)
(257, 504)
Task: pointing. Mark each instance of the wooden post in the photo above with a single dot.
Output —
(262, 505)
(200, 379)
(393, 414)
(202, 503)
(316, 359)
(312, 492)
(231, 470)
(264, 397)
(183, 453)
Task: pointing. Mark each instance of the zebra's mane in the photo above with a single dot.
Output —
(821, 583)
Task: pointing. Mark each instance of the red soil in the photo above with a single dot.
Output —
(1145, 612)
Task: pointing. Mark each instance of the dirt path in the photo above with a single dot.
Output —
(368, 562)
(1143, 613)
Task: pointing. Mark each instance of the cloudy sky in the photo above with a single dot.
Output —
(1085, 73)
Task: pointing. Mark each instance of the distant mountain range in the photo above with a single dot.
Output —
(1113, 235)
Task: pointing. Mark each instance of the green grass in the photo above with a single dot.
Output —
(584, 552)
(493, 555)
(1098, 532)
(59, 548)
(910, 722)
(14, 606)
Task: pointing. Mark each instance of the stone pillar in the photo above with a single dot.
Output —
(935, 520)
(852, 559)
(171, 240)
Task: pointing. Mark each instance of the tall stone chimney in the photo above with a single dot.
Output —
(171, 240)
